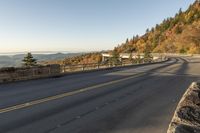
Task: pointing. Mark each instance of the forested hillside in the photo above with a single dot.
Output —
(178, 34)
(83, 59)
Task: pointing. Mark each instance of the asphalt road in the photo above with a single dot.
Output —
(139, 99)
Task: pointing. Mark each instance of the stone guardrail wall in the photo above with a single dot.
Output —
(97, 66)
(175, 55)
(187, 115)
(18, 74)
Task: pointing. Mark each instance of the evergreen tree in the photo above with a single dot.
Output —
(152, 29)
(147, 30)
(127, 41)
(147, 53)
(180, 11)
(115, 57)
(29, 60)
(178, 29)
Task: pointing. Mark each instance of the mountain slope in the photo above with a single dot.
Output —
(180, 34)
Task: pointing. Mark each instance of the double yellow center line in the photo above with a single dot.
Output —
(59, 96)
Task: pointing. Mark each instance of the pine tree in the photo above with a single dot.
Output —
(115, 57)
(180, 11)
(147, 53)
(147, 30)
(29, 60)
(127, 41)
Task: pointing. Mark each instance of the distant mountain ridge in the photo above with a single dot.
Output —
(16, 60)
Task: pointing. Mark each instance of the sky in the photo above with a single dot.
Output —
(78, 25)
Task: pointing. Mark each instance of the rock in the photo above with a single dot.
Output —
(187, 115)
(186, 129)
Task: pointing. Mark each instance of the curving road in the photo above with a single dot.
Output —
(138, 99)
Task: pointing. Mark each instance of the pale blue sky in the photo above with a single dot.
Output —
(78, 25)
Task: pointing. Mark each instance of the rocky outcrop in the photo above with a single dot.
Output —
(187, 115)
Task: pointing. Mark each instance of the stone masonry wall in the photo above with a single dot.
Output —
(187, 115)
(17, 74)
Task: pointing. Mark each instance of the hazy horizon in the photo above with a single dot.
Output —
(76, 25)
(41, 52)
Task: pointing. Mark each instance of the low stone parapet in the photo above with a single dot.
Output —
(187, 115)
(17, 74)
